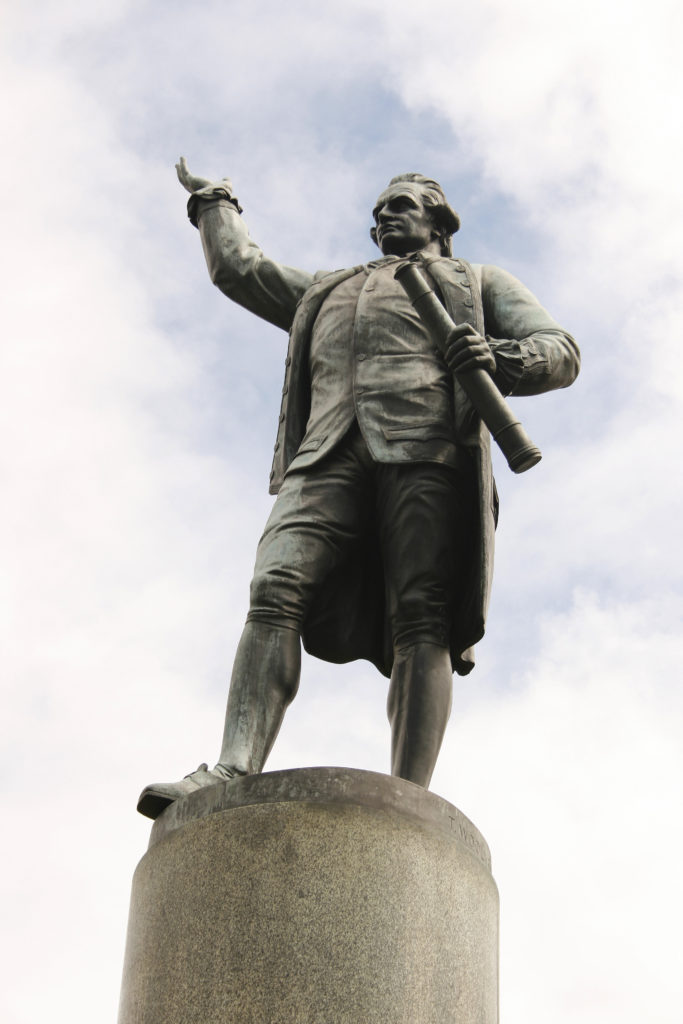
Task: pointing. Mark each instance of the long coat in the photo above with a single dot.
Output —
(533, 355)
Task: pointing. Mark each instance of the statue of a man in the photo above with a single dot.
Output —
(380, 542)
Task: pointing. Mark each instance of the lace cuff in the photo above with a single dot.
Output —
(218, 190)
(509, 364)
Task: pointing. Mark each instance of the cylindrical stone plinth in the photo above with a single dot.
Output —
(313, 896)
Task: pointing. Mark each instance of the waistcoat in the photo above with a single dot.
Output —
(408, 406)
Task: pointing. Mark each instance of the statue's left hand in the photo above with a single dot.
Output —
(466, 350)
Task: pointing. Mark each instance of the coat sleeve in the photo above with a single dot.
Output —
(239, 268)
(533, 353)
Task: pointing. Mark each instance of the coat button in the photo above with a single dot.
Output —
(361, 356)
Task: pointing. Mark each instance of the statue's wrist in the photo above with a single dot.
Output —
(216, 194)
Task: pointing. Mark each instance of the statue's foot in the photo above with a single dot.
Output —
(155, 798)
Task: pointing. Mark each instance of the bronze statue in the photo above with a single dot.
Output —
(380, 542)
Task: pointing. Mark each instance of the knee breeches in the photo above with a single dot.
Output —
(420, 514)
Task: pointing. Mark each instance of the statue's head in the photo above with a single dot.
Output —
(411, 212)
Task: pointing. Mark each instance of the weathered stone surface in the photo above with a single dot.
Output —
(313, 896)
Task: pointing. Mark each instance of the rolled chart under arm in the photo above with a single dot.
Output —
(508, 433)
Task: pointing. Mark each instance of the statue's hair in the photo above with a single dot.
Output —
(446, 220)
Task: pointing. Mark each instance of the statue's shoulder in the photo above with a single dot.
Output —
(325, 280)
(323, 283)
(326, 275)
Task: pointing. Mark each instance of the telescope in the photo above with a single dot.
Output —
(508, 433)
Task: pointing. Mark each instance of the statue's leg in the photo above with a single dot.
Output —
(316, 517)
(419, 706)
(424, 512)
(265, 678)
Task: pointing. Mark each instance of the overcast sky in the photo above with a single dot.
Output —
(139, 411)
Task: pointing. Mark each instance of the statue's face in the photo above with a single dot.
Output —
(402, 223)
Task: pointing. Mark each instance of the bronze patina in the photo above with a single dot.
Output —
(380, 542)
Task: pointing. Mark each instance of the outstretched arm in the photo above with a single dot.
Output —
(236, 264)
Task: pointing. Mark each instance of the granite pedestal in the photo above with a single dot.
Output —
(313, 896)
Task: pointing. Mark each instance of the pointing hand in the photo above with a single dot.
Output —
(190, 181)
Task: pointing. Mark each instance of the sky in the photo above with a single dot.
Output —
(139, 412)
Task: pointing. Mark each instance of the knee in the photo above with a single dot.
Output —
(275, 599)
(421, 605)
(420, 623)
